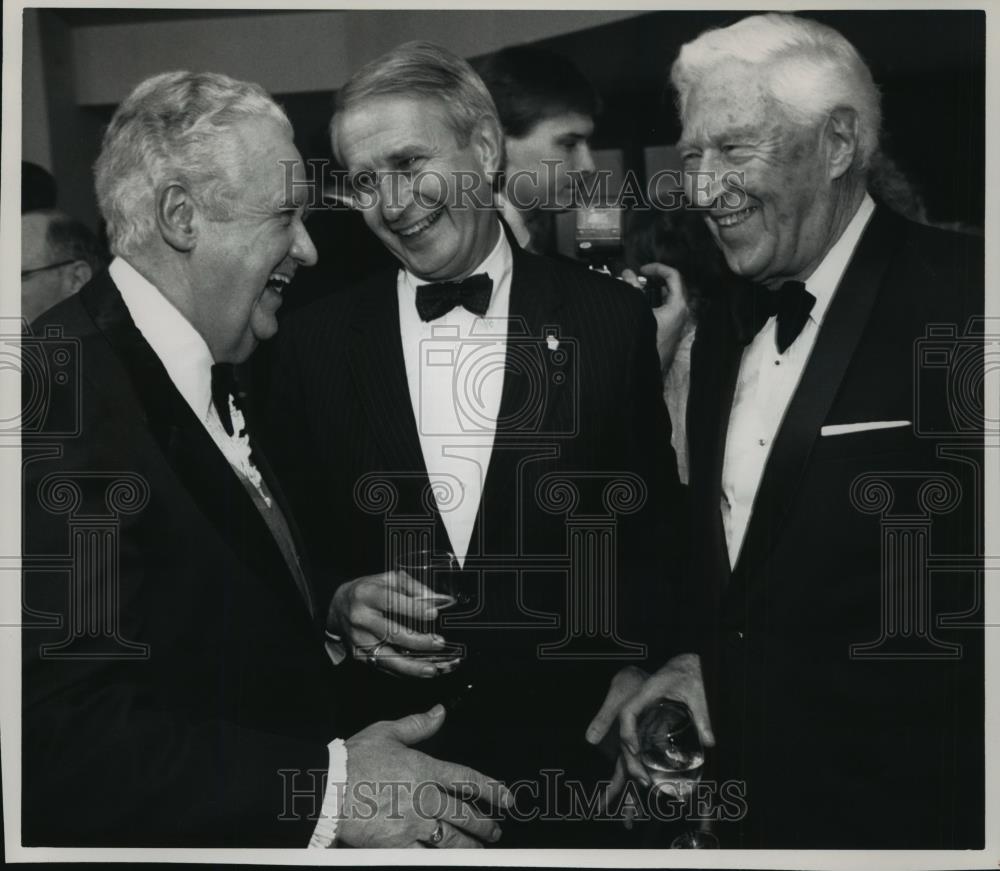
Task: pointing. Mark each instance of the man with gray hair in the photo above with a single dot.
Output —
(177, 686)
(491, 415)
(846, 706)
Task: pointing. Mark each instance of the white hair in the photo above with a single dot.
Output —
(808, 67)
(174, 125)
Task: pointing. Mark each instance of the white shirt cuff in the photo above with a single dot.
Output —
(325, 833)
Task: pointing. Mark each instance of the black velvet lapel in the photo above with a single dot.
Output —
(187, 446)
(838, 338)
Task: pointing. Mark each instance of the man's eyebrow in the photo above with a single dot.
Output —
(745, 132)
(403, 153)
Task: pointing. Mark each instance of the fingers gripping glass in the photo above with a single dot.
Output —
(673, 756)
(439, 573)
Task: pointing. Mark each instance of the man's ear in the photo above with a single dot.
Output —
(488, 141)
(79, 274)
(175, 212)
(841, 138)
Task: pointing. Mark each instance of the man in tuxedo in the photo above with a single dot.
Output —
(834, 478)
(498, 409)
(177, 691)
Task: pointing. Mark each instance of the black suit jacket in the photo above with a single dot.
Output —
(844, 658)
(171, 668)
(581, 474)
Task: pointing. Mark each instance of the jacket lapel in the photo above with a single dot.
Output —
(715, 365)
(379, 372)
(186, 444)
(838, 338)
(530, 393)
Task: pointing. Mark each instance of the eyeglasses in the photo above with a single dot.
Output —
(26, 272)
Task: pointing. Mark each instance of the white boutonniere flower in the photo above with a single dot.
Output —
(240, 451)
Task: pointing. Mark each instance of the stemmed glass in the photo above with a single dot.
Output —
(672, 753)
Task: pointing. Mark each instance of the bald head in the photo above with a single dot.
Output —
(58, 257)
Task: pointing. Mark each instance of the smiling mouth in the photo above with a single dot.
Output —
(734, 218)
(278, 281)
(421, 225)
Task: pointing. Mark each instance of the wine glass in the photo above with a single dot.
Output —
(673, 755)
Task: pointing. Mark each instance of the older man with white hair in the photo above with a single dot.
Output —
(844, 674)
(177, 687)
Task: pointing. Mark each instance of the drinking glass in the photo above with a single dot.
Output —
(672, 753)
(439, 573)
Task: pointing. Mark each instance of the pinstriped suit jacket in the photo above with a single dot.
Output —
(573, 422)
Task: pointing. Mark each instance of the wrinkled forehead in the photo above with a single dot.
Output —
(730, 95)
(378, 130)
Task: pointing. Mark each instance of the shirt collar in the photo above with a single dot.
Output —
(180, 347)
(515, 220)
(823, 282)
(499, 264)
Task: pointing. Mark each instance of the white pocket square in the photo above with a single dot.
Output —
(836, 429)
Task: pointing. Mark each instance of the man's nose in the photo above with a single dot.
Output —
(394, 195)
(303, 250)
(585, 160)
(703, 182)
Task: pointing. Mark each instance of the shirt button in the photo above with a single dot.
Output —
(777, 362)
(762, 442)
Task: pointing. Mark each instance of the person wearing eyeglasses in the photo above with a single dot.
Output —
(59, 255)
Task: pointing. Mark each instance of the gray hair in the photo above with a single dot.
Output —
(174, 125)
(810, 69)
(421, 70)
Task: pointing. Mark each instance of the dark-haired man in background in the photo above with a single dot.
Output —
(547, 110)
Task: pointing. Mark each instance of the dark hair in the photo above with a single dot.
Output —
(38, 188)
(68, 239)
(531, 84)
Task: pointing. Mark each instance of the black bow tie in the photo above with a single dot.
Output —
(225, 384)
(437, 299)
(791, 303)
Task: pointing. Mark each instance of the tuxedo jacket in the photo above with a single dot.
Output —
(171, 669)
(843, 650)
(579, 497)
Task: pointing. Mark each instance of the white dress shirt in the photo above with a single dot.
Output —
(766, 383)
(188, 361)
(455, 372)
(676, 386)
